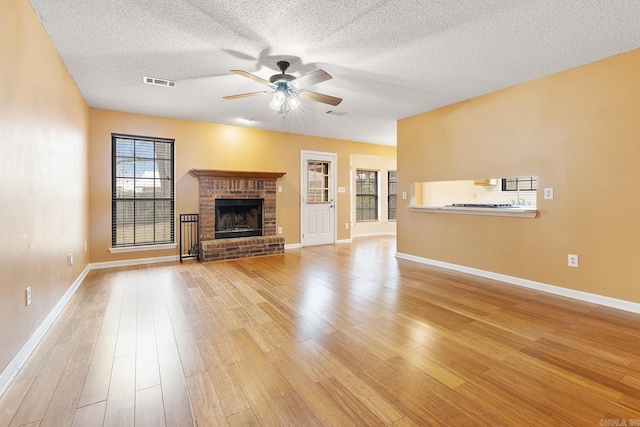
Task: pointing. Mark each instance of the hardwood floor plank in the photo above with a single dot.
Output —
(206, 402)
(245, 418)
(262, 403)
(550, 393)
(177, 408)
(147, 370)
(188, 348)
(444, 413)
(297, 411)
(12, 398)
(349, 404)
(292, 328)
(407, 396)
(42, 352)
(348, 352)
(149, 408)
(62, 408)
(37, 399)
(91, 415)
(96, 385)
(83, 351)
(271, 378)
(122, 392)
(308, 390)
(209, 284)
(255, 329)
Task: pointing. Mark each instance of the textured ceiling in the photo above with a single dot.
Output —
(389, 59)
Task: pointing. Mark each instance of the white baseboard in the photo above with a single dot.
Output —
(16, 364)
(552, 289)
(343, 241)
(292, 246)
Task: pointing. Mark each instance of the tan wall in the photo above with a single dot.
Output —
(43, 176)
(578, 131)
(212, 146)
(383, 165)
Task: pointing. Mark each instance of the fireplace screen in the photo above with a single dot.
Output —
(238, 218)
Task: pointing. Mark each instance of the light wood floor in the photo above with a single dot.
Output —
(333, 335)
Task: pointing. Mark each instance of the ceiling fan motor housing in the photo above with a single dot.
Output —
(282, 78)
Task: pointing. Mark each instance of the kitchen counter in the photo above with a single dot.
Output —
(515, 211)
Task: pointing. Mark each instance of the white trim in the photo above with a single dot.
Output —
(343, 241)
(130, 262)
(515, 212)
(19, 360)
(144, 248)
(552, 289)
(292, 246)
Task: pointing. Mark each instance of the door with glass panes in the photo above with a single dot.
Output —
(318, 198)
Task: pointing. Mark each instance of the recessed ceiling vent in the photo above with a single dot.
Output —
(158, 82)
(336, 113)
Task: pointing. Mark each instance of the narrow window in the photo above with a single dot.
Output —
(142, 200)
(366, 195)
(318, 188)
(392, 190)
(520, 183)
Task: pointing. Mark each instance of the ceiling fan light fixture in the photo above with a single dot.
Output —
(278, 99)
(294, 102)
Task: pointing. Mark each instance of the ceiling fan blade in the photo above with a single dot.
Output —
(320, 97)
(252, 77)
(311, 78)
(245, 95)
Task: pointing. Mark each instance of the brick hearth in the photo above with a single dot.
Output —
(217, 184)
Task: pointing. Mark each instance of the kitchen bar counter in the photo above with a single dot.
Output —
(519, 211)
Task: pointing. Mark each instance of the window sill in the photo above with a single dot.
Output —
(372, 222)
(124, 249)
(524, 212)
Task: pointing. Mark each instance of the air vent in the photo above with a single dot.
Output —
(159, 82)
(337, 113)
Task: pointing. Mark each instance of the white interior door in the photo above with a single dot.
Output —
(318, 198)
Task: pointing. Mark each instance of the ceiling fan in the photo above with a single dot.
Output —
(287, 89)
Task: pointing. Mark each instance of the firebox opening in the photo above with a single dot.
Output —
(238, 218)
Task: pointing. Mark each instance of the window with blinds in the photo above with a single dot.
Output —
(142, 198)
(520, 183)
(392, 191)
(366, 195)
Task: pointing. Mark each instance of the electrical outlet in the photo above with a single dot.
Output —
(548, 193)
(279, 230)
(572, 260)
(28, 295)
(70, 260)
(279, 188)
(404, 194)
(346, 225)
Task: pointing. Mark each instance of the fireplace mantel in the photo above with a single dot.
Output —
(214, 173)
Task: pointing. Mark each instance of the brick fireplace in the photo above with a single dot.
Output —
(232, 185)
